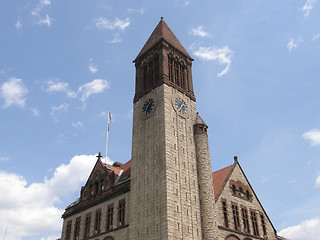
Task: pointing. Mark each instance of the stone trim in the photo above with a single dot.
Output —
(241, 233)
(93, 202)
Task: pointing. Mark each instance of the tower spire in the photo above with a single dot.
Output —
(162, 32)
(163, 60)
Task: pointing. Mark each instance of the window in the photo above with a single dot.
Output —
(150, 71)
(97, 222)
(110, 217)
(225, 213)
(233, 187)
(254, 223)
(68, 232)
(177, 72)
(235, 212)
(87, 225)
(77, 228)
(245, 219)
(263, 224)
(241, 193)
(121, 213)
(247, 195)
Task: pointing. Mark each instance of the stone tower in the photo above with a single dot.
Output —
(167, 190)
(205, 178)
(164, 191)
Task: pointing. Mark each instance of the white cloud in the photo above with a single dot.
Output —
(186, 3)
(294, 43)
(37, 12)
(35, 112)
(315, 37)
(135, 10)
(54, 86)
(222, 55)
(47, 20)
(199, 31)
(4, 159)
(318, 181)
(309, 229)
(308, 7)
(77, 124)
(64, 107)
(116, 38)
(94, 87)
(313, 136)
(18, 25)
(42, 3)
(106, 24)
(38, 199)
(13, 92)
(84, 91)
(93, 67)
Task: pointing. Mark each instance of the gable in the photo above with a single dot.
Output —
(101, 179)
(236, 189)
(219, 179)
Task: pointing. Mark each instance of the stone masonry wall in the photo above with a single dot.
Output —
(205, 185)
(241, 202)
(117, 232)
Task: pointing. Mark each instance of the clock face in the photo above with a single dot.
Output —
(148, 106)
(181, 105)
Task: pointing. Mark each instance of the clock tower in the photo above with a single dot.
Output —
(165, 197)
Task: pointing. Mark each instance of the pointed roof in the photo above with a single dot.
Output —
(219, 179)
(199, 120)
(163, 32)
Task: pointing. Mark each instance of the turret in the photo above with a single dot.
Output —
(204, 178)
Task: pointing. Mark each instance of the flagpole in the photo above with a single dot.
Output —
(107, 138)
(5, 233)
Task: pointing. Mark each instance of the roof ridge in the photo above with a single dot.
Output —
(163, 32)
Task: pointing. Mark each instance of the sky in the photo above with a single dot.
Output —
(63, 64)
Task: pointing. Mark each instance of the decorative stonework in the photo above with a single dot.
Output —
(240, 190)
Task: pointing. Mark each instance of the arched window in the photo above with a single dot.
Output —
(247, 195)
(232, 237)
(150, 71)
(109, 238)
(177, 71)
(233, 187)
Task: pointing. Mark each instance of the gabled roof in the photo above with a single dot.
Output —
(219, 179)
(163, 32)
(121, 171)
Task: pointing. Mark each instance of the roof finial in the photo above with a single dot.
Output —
(162, 18)
(99, 156)
(235, 158)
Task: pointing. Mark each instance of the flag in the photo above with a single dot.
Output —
(109, 119)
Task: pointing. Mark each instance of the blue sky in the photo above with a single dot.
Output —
(64, 63)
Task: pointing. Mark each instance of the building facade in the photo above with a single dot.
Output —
(167, 190)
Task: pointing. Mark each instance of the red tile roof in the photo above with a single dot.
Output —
(219, 179)
(119, 169)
